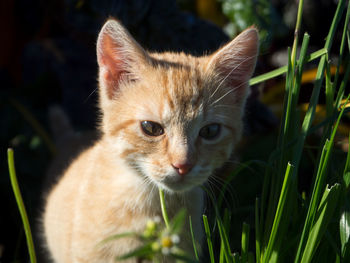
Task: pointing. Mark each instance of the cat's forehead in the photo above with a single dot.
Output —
(176, 91)
(180, 80)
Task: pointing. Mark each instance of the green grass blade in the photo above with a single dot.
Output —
(324, 216)
(296, 32)
(257, 232)
(325, 163)
(280, 71)
(342, 87)
(301, 63)
(329, 90)
(193, 240)
(344, 227)
(344, 230)
(335, 22)
(245, 242)
(236, 258)
(347, 164)
(281, 207)
(224, 238)
(20, 204)
(208, 235)
(342, 46)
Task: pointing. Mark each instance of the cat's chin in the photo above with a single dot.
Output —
(175, 184)
(176, 187)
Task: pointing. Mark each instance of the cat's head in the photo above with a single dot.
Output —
(174, 118)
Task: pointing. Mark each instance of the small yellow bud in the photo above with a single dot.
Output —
(151, 225)
(166, 242)
(155, 246)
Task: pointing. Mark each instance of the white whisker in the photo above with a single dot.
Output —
(223, 80)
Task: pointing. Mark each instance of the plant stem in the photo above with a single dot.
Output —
(162, 204)
(296, 32)
(20, 204)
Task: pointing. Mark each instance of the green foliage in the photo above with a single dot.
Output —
(245, 13)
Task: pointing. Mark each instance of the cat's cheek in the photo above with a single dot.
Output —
(117, 147)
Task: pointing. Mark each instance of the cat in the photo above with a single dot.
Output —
(168, 120)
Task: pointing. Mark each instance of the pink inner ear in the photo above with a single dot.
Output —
(109, 59)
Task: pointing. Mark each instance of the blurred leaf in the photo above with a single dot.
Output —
(140, 252)
(117, 236)
(35, 142)
(344, 226)
(244, 13)
(346, 178)
(178, 221)
(193, 239)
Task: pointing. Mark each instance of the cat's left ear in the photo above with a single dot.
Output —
(119, 57)
(235, 62)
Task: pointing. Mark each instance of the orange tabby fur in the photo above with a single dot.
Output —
(112, 187)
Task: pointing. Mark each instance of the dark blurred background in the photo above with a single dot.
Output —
(47, 57)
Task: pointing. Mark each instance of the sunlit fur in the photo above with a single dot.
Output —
(112, 187)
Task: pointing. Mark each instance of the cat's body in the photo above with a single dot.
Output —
(169, 120)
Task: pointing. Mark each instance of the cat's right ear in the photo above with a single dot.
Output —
(119, 57)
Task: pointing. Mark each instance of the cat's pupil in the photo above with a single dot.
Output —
(152, 128)
(210, 132)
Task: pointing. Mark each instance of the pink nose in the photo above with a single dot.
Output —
(182, 168)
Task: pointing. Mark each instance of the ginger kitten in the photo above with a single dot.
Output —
(168, 120)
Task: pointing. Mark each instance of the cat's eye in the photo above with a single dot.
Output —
(210, 132)
(151, 128)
